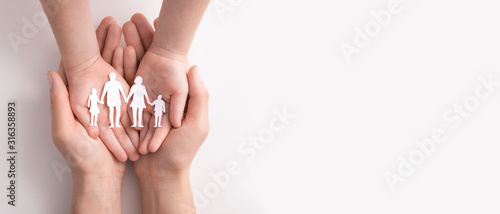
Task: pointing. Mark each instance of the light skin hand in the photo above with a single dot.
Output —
(166, 58)
(122, 141)
(95, 189)
(86, 68)
(138, 35)
(163, 61)
(164, 175)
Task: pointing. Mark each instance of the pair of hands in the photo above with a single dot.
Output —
(163, 72)
(92, 159)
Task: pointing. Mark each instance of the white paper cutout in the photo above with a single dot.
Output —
(94, 109)
(159, 105)
(113, 88)
(138, 92)
(137, 104)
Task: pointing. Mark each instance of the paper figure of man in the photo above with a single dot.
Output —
(113, 88)
(94, 109)
(139, 92)
(159, 105)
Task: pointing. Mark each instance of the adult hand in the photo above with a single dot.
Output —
(97, 174)
(164, 175)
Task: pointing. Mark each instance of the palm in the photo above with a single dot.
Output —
(167, 77)
(162, 75)
(80, 85)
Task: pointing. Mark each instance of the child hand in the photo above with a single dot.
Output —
(163, 74)
(123, 141)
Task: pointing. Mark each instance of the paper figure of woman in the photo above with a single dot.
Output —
(138, 91)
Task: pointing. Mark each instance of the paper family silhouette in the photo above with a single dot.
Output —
(114, 89)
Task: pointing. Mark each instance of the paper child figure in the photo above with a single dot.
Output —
(159, 105)
(139, 92)
(113, 88)
(94, 109)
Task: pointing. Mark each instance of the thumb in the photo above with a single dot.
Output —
(60, 109)
(197, 110)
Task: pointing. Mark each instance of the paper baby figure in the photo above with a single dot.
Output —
(94, 109)
(137, 104)
(113, 88)
(159, 105)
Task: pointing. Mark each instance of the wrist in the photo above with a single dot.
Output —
(111, 173)
(164, 50)
(157, 176)
(76, 68)
(104, 183)
(150, 168)
(170, 193)
(96, 194)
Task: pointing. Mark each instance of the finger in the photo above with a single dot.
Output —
(148, 132)
(112, 42)
(144, 29)
(102, 31)
(131, 132)
(62, 73)
(132, 38)
(144, 130)
(160, 133)
(126, 143)
(198, 98)
(129, 64)
(60, 108)
(118, 60)
(177, 104)
(108, 137)
(155, 23)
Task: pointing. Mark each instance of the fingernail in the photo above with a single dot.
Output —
(50, 79)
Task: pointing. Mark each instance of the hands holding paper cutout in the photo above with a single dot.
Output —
(160, 58)
(155, 64)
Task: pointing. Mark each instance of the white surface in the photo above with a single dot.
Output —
(352, 121)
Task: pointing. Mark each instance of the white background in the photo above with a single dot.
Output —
(352, 121)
